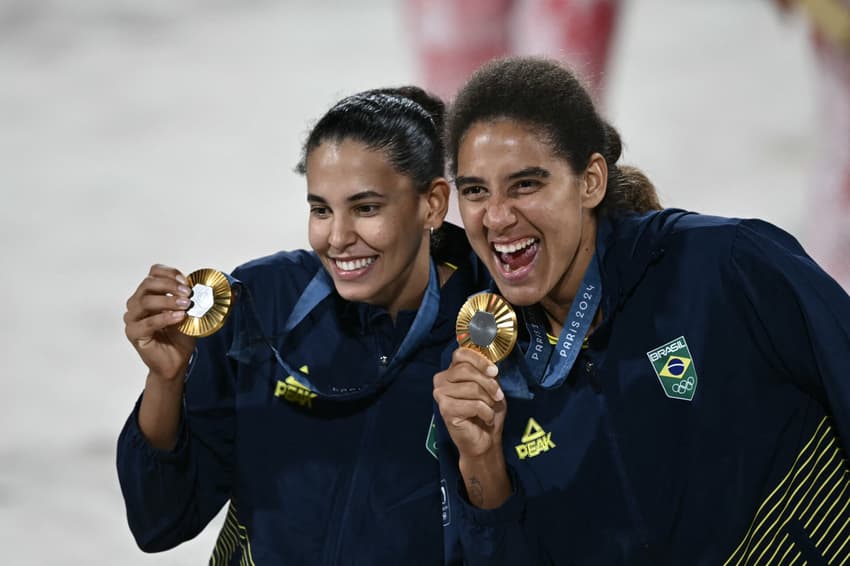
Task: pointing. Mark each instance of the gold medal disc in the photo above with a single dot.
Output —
(211, 300)
(487, 324)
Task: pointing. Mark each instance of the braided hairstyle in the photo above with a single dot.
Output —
(404, 123)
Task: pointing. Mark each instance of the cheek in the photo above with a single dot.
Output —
(316, 235)
(562, 241)
(473, 224)
(471, 216)
(557, 220)
(381, 235)
(374, 232)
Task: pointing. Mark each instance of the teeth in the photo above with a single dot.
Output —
(515, 247)
(354, 264)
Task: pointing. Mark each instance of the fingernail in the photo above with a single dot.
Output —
(492, 371)
(182, 280)
(177, 314)
(500, 394)
(183, 302)
(183, 290)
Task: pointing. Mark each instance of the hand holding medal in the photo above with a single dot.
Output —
(487, 324)
(211, 298)
(470, 399)
(168, 311)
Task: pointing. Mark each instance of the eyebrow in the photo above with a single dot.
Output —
(532, 171)
(353, 198)
(461, 180)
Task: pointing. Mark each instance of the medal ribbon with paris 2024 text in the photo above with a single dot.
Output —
(549, 364)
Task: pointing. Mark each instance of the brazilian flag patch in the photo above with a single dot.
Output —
(674, 366)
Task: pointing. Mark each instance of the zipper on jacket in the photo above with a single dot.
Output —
(358, 471)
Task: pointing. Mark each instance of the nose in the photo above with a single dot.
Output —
(499, 213)
(341, 234)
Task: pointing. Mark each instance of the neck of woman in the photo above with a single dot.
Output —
(410, 287)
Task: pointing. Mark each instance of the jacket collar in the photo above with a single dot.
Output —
(628, 245)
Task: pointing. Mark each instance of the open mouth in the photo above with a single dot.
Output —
(515, 258)
(351, 268)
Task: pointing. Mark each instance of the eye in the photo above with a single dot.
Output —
(525, 186)
(473, 192)
(320, 211)
(367, 209)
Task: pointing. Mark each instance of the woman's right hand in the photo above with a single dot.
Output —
(153, 311)
(473, 408)
(471, 403)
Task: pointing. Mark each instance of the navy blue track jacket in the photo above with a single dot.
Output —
(707, 420)
(308, 480)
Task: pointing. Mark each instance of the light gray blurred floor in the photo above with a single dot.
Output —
(133, 133)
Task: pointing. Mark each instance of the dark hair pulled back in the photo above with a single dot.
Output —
(404, 123)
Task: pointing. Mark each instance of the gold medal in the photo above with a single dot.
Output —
(487, 324)
(211, 300)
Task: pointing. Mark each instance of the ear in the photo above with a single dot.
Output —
(595, 181)
(437, 200)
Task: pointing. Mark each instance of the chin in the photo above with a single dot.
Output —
(352, 292)
(520, 296)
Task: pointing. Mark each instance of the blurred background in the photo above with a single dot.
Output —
(167, 130)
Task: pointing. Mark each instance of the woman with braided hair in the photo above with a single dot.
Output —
(308, 411)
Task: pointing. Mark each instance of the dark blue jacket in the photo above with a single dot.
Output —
(309, 480)
(615, 467)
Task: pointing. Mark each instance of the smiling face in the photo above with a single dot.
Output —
(369, 226)
(527, 214)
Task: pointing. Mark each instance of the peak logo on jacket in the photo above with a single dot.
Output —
(673, 364)
(535, 441)
(294, 392)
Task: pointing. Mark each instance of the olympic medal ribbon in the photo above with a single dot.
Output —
(550, 365)
(319, 288)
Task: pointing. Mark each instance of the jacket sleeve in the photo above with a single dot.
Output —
(474, 536)
(170, 496)
(802, 316)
